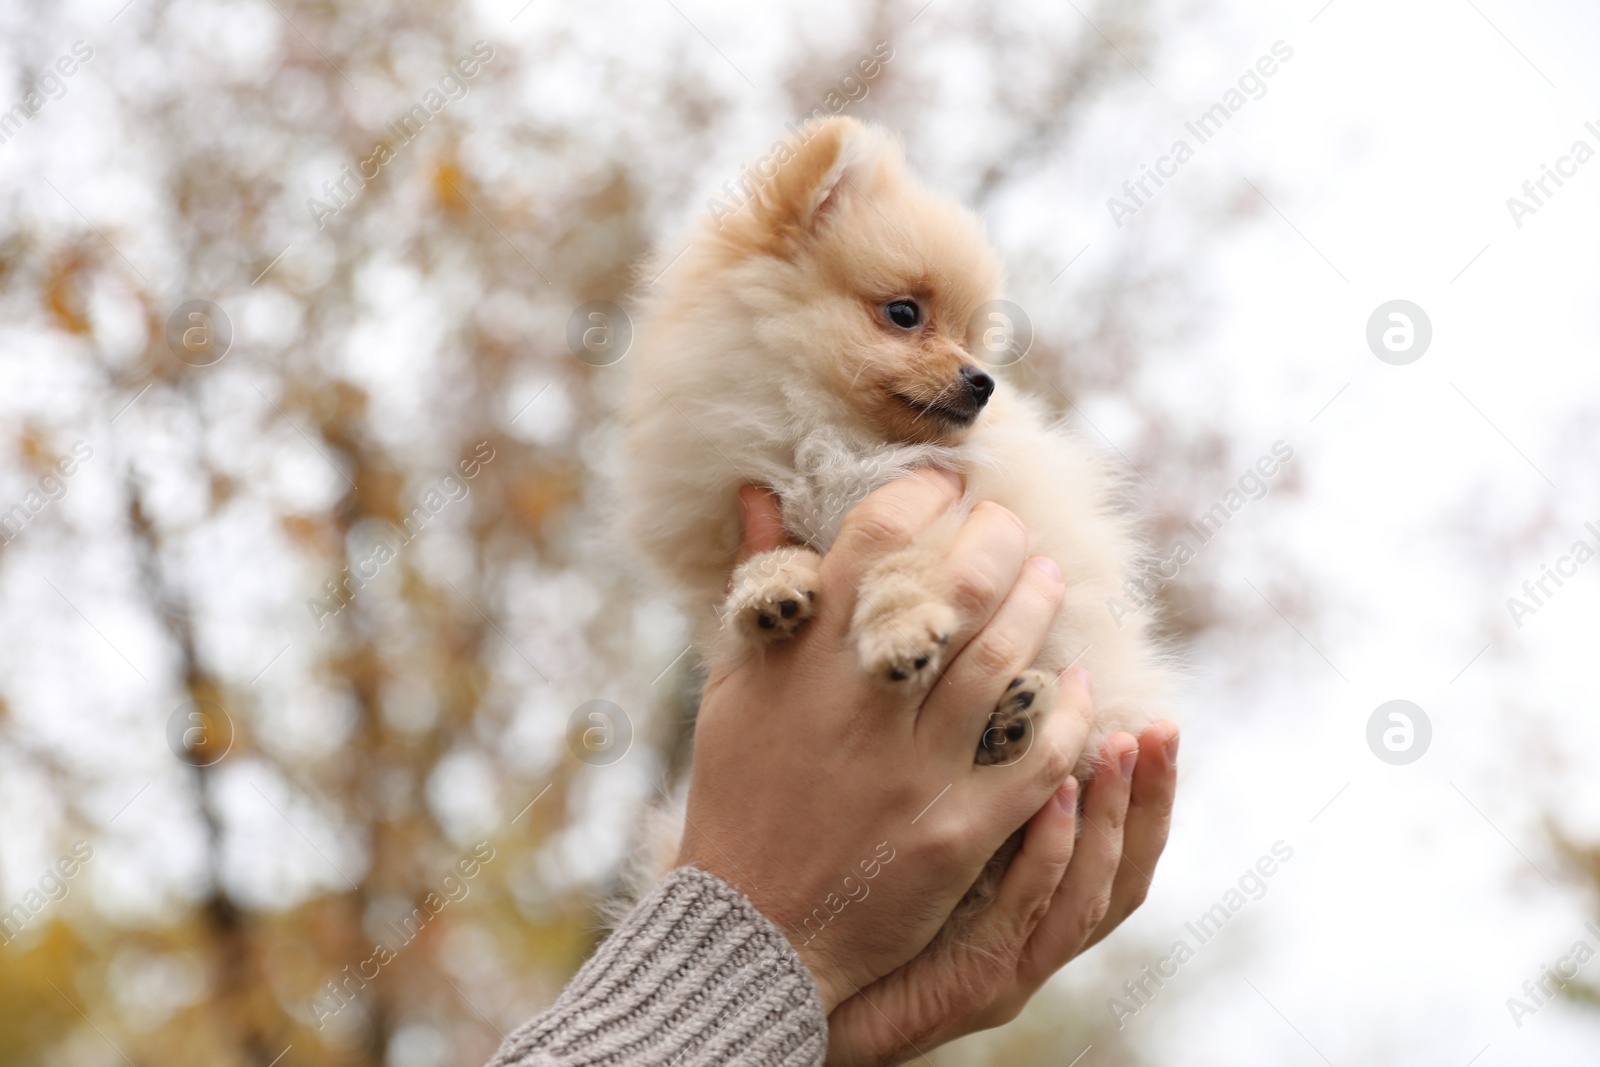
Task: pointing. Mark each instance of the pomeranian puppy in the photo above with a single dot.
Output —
(820, 341)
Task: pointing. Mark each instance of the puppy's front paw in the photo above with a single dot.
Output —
(1011, 727)
(773, 594)
(905, 644)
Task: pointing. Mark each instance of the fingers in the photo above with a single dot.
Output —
(760, 522)
(884, 522)
(1035, 873)
(982, 563)
(1144, 837)
(999, 934)
(1084, 897)
(957, 709)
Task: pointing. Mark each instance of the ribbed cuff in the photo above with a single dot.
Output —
(696, 977)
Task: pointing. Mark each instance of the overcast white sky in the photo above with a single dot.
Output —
(1412, 907)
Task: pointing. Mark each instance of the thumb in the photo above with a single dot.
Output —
(760, 522)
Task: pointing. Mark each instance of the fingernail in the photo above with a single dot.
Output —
(1047, 567)
(1172, 748)
(1125, 763)
(1081, 676)
(951, 477)
(1066, 797)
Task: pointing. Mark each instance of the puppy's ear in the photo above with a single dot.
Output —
(817, 169)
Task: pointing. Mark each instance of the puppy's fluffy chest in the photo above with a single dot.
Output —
(834, 470)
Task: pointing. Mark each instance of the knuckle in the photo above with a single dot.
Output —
(1035, 913)
(1054, 767)
(1007, 1011)
(875, 529)
(973, 591)
(1137, 895)
(1098, 907)
(997, 1013)
(995, 654)
(943, 848)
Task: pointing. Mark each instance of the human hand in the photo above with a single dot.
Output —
(1059, 897)
(851, 813)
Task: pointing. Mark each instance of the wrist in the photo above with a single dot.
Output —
(834, 986)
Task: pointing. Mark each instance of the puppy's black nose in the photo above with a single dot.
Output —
(979, 384)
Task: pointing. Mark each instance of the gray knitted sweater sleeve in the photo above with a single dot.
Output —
(695, 977)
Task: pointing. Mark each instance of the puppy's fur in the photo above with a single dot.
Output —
(770, 355)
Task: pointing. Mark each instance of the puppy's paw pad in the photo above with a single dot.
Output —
(773, 594)
(1010, 730)
(907, 645)
(774, 614)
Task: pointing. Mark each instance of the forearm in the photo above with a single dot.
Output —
(695, 976)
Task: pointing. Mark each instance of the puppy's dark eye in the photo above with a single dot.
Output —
(903, 313)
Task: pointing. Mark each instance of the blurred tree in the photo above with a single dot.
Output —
(278, 529)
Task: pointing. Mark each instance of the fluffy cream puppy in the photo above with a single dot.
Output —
(820, 341)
